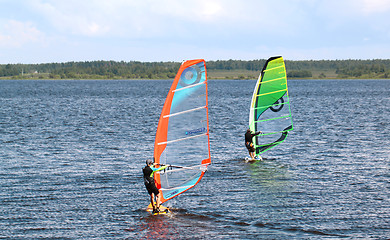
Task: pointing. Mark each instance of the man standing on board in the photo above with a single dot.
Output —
(249, 143)
(149, 171)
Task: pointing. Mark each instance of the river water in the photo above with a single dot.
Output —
(71, 154)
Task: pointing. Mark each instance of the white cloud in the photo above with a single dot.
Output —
(16, 34)
(135, 30)
(353, 8)
(374, 6)
(376, 51)
(73, 17)
(210, 9)
(150, 18)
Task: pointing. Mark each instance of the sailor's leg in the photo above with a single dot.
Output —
(152, 201)
(158, 202)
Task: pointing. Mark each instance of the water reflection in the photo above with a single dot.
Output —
(272, 188)
(269, 174)
(154, 227)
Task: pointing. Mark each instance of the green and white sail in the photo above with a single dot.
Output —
(270, 110)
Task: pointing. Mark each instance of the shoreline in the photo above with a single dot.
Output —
(165, 79)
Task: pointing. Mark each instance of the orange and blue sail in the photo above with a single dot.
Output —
(182, 137)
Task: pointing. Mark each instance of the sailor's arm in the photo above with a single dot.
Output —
(160, 168)
(257, 133)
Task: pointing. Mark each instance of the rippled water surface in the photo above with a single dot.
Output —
(71, 154)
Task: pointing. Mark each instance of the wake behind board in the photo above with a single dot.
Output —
(163, 210)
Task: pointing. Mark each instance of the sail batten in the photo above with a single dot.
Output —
(273, 80)
(270, 69)
(268, 93)
(182, 137)
(270, 110)
(190, 86)
(273, 105)
(272, 119)
(187, 111)
(174, 188)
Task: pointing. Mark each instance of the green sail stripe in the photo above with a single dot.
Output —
(271, 119)
(270, 69)
(273, 105)
(273, 80)
(269, 93)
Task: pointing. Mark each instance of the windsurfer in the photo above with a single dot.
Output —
(150, 185)
(249, 143)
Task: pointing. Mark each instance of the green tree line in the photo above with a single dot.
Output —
(238, 69)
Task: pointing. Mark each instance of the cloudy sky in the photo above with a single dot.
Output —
(44, 31)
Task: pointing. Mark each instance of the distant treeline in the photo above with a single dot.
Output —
(216, 69)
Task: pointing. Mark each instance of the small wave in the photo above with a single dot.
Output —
(295, 229)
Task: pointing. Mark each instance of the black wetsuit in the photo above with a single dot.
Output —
(248, 141)
(149, 181)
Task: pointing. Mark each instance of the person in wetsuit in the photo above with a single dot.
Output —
(150, 185)
(249, 143)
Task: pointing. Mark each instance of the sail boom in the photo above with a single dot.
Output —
(202, 167)
(271, 133)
